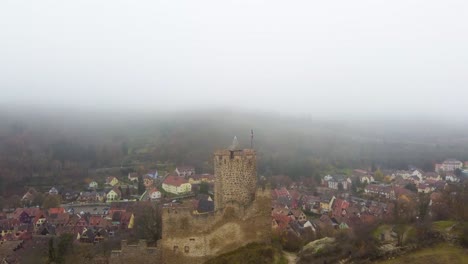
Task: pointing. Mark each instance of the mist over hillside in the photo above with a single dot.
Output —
(297, 146)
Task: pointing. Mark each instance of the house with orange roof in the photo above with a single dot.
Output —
(122, 219)
(56, 210)
(280, 222)
(58, 219)
(176, 185)
(299, 215)
(39, 220)
(154, 194)
(281, 192)
(339, 208)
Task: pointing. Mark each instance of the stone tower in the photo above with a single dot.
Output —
(235, 176)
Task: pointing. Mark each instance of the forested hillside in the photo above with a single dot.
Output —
(62, 144)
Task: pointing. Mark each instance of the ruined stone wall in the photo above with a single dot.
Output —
(191, 238)
(136, 253)
(242, 214)
(178, 221)
(235, 177)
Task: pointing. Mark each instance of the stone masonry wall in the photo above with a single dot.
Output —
(241, 216)
(191, 238)
(135, 253)
(235, 177)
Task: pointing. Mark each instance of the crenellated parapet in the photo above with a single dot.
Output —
(235, 176)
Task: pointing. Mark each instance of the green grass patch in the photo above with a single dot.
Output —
(442, 226)
(410, 234)
(253, 253)
(440, 254)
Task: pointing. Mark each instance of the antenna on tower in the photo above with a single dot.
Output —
(251, 138)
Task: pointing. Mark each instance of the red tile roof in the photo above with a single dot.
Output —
(58, 210)
(338, 206)
(295, 194)
(368, 219)
(281, 192)
(32, 212)
(153, 190)
(95, 220)
(175, 181)
(58, 219)
(281, 220)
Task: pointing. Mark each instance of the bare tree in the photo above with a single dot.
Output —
(148, 221)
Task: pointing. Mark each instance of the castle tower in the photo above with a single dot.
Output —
(235, 176)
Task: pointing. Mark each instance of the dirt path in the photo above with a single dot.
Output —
(291, 257)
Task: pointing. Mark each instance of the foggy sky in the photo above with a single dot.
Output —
(319, 57)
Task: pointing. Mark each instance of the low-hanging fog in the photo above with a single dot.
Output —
(341, 59)
(324, 85)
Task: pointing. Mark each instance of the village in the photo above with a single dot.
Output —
(98, 213)
(301, 210)
(364, 197)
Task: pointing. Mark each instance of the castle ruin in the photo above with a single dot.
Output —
(241, 216)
